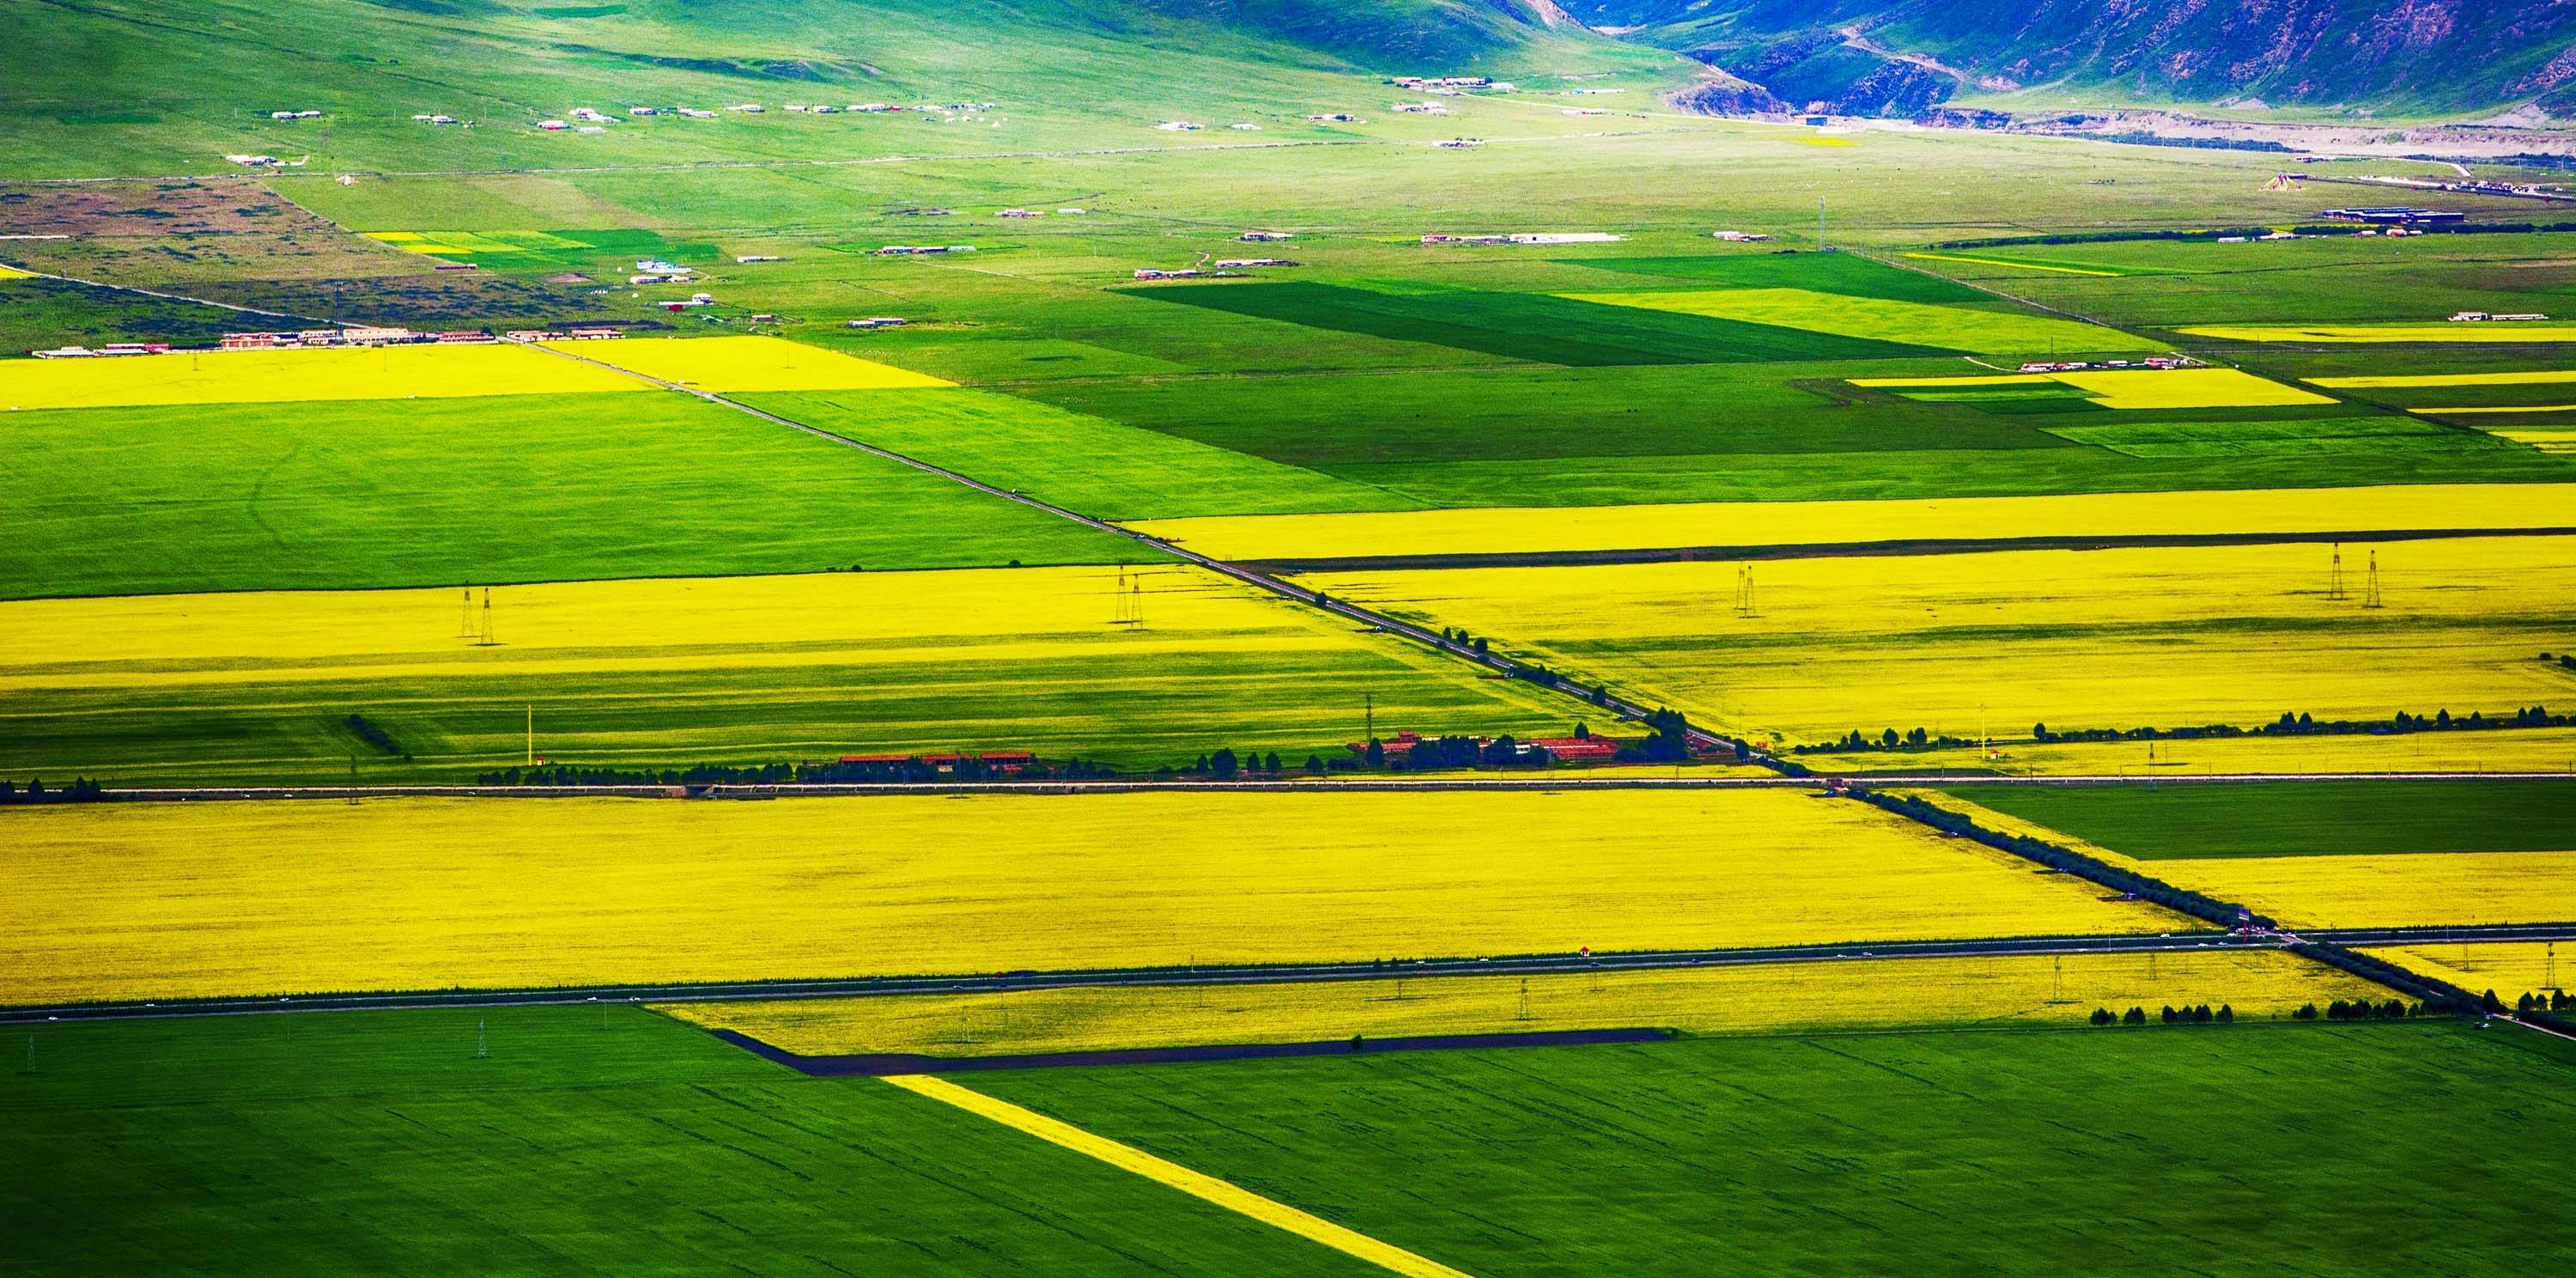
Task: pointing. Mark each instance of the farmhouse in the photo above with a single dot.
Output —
(1265, 237)
(880, 321)
(1740, 237)
(1021, 213)
(1336, 117)
(696, 114)
(1186, 273)
(1237, 262)
(1179, 126)
(1419, 108)
(904, 250)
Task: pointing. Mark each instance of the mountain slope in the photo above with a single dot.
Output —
(1882, 57)
(133, 86)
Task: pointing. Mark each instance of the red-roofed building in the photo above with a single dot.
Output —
(1394, 747)
(1578, 749)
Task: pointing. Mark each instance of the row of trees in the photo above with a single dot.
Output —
(2129, 884)
(81, 790)
(2200, 1015)
(2304, 724)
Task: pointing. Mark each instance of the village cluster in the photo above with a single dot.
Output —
(312, 338)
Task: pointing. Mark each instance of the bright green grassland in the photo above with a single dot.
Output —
(511, 488)
(1088, 464)
(590, 1140)
(2252, 1150)
(2309, 818)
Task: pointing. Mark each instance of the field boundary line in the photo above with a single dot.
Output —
(1197, 1184)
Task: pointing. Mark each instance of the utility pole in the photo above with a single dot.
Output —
(1820, 224)
(1368, 716)
(2334, 574)
(2370, 583)
(532, 735)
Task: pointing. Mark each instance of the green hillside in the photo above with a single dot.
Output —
(195, 82)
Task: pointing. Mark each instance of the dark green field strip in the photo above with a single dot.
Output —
(1132, 711)
(511, 488)
(2096, 1152)
(2318, 818)
(1845, 273)
(1530, 326)
(589, 1140)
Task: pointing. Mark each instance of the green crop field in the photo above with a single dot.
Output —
(2098, 1152)
(2308, 818)
(588, 1138)
(1089, 464)
(511, 488)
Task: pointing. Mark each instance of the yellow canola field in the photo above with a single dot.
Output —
(8, 272)
(2423, 889)
(2401, 381)
(2125, 388)
(724, 364)
(934, 619)
(2510, 968)
(2547, 441)
(2520, 750)
(322, 373)
(1867, 993)
(2151, 388)
(1977, 645)
(142, 901)
(1503, 530)
(2345, 333)
(2420, 890)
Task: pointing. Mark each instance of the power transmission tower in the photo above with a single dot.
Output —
(1820, 224)
(487, 640)
(1525, 1012)
(2548, 978)
(532, 736)
(1744, 600)
(2334, 574)
(465, 615)
(1368, 716)
(2370, 583)
(482, 1045)
(30, 1066)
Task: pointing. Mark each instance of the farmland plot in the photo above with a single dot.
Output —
(1979, 645)
(142, 901)
(1764, 998)
(1133, 667)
